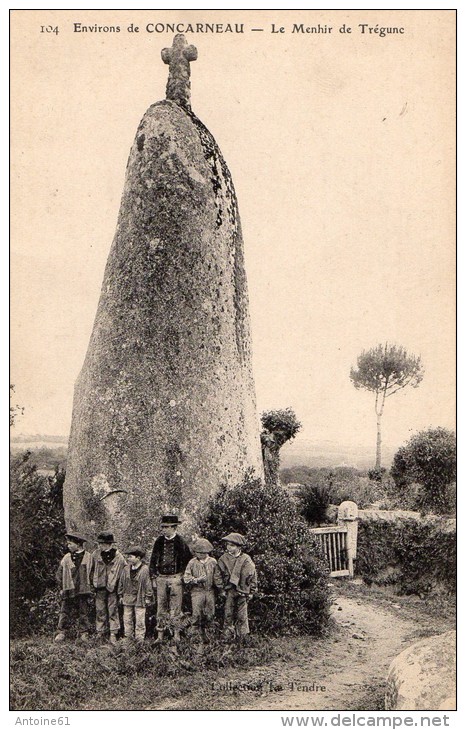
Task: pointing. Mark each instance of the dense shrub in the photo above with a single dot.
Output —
(377, 473)
(362, 490)
(405, 499)
(339, 484)
(429, 459)
(416, 556)
(37, 531)
(292, 573)
(313, 503)
(38, 615)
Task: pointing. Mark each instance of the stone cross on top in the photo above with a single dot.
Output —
(178, 58)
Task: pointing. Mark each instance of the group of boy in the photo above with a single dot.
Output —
(117, 579)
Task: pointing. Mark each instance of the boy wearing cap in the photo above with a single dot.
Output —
(107, 566)
(73, 578)
(135, 593)
(235, 576)
(199, 576)
(168, 562)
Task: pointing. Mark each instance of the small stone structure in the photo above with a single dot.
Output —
(348, 517)
(423, 677)
(164, 407)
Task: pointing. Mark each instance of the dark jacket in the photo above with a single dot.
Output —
(106, 575)
(182, 555)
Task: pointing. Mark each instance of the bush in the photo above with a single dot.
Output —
(313, 503)
(359, 489)
(292, 572)
(340, 484)
(37, 530)
(416, 556)
(429, 458)
(40, 613)
(377, 473)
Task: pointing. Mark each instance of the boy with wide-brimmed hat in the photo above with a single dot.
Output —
(107, 566)
(73, 578)
(199, 576)
(135, 593)
(170, 556)
(235, 576)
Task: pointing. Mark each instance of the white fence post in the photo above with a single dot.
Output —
(348, 517)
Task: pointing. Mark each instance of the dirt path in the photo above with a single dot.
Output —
(345, 671)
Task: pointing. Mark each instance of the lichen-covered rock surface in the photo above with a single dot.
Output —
(164, 407)
(423, 677)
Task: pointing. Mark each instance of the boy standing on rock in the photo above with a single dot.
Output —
(168, 562)
(73, 578)
(107, 566)
(235, 576)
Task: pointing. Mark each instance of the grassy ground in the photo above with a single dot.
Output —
(436, 611)
(351, 659)
(73, 676)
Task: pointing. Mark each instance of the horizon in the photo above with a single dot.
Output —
(345, 198)
(307, 449)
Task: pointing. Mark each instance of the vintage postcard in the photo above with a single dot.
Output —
(232, 242)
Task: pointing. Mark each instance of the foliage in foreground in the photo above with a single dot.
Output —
(293, 593)
(413, 556)
(48, 676)
(37, 530)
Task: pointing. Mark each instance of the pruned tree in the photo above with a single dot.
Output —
(278, 428)
(384, 370)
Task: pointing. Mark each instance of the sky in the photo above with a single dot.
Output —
(341, 148)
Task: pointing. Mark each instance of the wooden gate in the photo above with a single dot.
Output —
(334, 544)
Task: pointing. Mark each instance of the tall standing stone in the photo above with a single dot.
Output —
(164, 407)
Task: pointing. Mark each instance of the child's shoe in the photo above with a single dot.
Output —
(113, 639)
